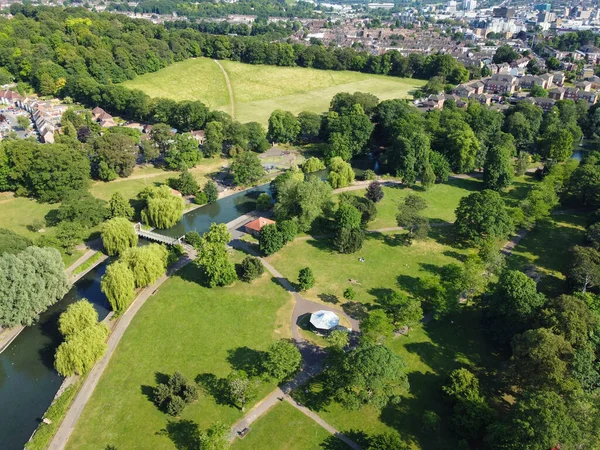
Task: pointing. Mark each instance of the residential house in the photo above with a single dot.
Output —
(479, 86)
(547, 79)
(559, 78)
(499, 87)
(256, 225)
(590, 97)
(571, 94)
(484, 99)
(595, 80)
(9, 97)
(556, 93)
(464, 90)
(584, 86)
(434, 101)
(545, 103)
(199, 136)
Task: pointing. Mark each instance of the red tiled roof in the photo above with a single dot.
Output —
(258, 224)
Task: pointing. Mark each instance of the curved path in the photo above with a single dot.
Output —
(229, 89)
(312, 355)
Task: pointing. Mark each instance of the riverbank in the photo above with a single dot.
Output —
(8, 335)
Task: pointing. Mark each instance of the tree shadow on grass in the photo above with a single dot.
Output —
(184, 434)
(312, 394)
(443, 235)
(406, 417)
(452, 254)
(148, 391)
(468, 184)
(329, 298)
(215, 387)
(409, 284)
(320, 244)
(355, 310)
(335, 443)
(246, 359)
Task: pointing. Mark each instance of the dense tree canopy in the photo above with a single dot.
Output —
(30, 282)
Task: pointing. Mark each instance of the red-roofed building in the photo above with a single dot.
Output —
(256, 225)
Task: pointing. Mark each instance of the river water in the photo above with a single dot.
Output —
(28, 381)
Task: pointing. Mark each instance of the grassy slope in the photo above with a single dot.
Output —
(192, 79)
(285, 428)
(183, 327)
(258, 90)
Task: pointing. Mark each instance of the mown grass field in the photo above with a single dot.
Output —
(258, 89)
(286, 428)
(189, 328)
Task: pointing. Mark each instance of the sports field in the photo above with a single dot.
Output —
(258, 90)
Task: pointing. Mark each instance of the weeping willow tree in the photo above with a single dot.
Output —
(85, 339)
(163, 209)
(146, 263)
(118, 285)
(118, 235)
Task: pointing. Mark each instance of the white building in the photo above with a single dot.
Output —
(469, 5)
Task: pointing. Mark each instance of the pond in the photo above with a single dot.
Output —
(28, 380)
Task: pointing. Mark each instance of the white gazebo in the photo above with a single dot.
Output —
(324, 321)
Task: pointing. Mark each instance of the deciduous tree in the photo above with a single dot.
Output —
(118, 235)
(118, 284)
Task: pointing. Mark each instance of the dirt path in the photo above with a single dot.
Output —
(228, 83)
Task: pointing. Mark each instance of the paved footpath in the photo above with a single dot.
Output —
(68, 424)
(312, 355)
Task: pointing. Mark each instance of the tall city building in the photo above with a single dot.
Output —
(451, 7)
(469, 5)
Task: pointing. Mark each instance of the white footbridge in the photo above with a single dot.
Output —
(155, 237)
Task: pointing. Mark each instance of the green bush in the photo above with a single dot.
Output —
(252, 268)
(349, 294)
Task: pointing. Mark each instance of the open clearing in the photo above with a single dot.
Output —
(286, 428)
(260, 89)
(184, 327)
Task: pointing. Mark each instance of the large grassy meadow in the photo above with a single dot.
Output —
(259, 89)
(188, 328)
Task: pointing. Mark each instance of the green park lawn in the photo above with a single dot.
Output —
(546, 250)
(188, 328)
(148, 176)
(431, 352)
(258, 89)
(388, 264)
(286, 428)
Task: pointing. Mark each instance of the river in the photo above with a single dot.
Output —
(28, 381)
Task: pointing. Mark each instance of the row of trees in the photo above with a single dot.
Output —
(123, 48)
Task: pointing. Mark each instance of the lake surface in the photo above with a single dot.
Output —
(28, 380)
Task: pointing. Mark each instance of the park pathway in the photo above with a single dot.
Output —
(229, 89)
(312, 355)
(91, 381)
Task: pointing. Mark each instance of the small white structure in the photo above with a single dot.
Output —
(324, 321)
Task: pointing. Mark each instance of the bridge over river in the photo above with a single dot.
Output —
(161, 238)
